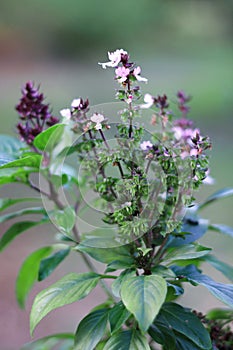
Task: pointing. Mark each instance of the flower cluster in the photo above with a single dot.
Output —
(34, 113)
(126, 73)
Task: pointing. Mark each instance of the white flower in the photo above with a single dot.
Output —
(97, 118)
(114, 57)
(209, 180)
(66, 113)
(149, 101)
(98, 126)
(137, 72)
(75, 103)
(146, 145)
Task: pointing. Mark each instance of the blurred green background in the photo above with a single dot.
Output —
(179, 44)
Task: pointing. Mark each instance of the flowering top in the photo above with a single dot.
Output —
(34, 113)
(126, 72)
(115, 58)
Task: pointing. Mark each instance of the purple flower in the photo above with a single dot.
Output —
(183, 99)
(34, 113)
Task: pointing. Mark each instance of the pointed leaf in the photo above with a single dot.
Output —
(48, 265)
(185, 252)
(16, 229)
(182, 321)
(118, 315)
(223, 292)
(127, 340)
(50, 340)
(105, 253)
(163, 335)
(91, 329)
(222, 229)
(49, 138)
(67, 290)
(32, 161)
(195, 227)
(116, 285)
(8, 202)
(26, 211)
(28, 274)
(227, 270)
(65, 219)
(143, 296)
(217, 195)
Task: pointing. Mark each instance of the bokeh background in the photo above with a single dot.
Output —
(179, 44)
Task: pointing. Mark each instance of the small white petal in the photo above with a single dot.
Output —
(75, 103)
(97, 118)
(98, 126)
(66, 113)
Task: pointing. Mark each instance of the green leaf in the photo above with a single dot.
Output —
(143, 296)
(67, 290)
(28, 274)
(106, 255)
(223, 292)
(127, 340)
(10, 145)
(48, 265)
(48, 343)
(9, 148)
(222, 229)
(116, 285)
(49, 138)
(118, 315)
(185, 252)
(227, 270)
(163, 335)
(220, 314)
(14, 175)
(225, 192)
(19, 213)
(183, 322)
(163, 271)
(8, 202)
(32, 161)
(195, 226)
(16, 229)
(91, 329)
(65, 219)
(184, 343)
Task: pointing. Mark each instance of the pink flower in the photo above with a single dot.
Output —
(114, 57)
(97, 118)
(137, 72)
(122, 74)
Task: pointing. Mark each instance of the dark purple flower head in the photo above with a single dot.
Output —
(161, 102)
(35, 114)
(183, 99)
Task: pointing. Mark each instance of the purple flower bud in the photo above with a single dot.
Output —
(34, 113)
